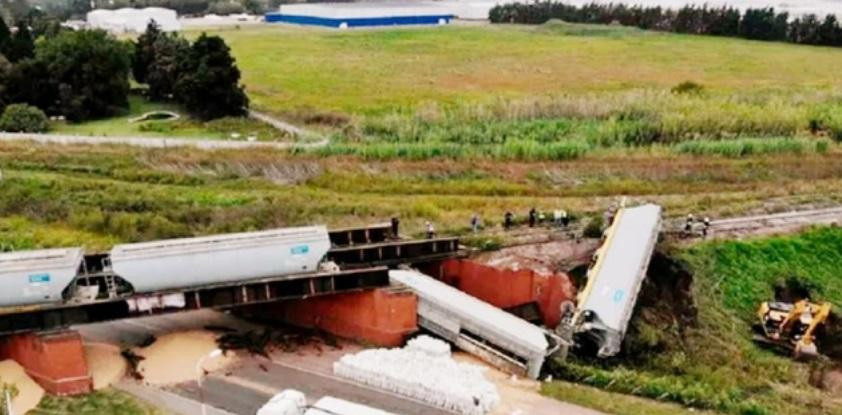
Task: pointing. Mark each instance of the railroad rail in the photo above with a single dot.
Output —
(779, 220)
(760, 224)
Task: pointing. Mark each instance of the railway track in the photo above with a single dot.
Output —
(768, 223)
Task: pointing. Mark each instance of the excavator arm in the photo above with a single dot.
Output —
(806, 346)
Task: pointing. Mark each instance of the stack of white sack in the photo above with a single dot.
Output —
(437, 380)
(429, 345)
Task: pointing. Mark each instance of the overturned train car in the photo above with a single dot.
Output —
(607, 302)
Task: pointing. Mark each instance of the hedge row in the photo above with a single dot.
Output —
(760, 24)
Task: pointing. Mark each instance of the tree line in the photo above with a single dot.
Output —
(758, 24)
(83, 75)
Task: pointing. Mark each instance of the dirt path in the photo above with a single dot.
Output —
(152, 142)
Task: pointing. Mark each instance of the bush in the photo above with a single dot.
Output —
(687, 87)
(594, 227)
(22, 118)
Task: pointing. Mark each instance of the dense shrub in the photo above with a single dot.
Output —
(22, 118)
(760, 24)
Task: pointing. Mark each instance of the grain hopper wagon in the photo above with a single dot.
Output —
(57, 277)
(500, 338)
(614, 279)
(37, 277)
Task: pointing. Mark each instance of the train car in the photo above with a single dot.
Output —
(55, 277)
(37, 277)
(502, 339)
(608, 300)
(193, 262)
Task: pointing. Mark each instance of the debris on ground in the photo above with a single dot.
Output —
(429, 377)
(28, 394)
(544, 258)
(263, 342)
(106, 364)
(179, 357)
(132, 359)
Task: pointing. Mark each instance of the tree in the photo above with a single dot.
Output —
(163, 72)
(89, 70)
(5, 36)
(5, 68)
(21, 45)
(208, 84)
(22, 118)
(29, 81)
(144, 51)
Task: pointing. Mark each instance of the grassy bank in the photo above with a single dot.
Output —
(712, 363)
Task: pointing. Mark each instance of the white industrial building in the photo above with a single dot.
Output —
(129, 20)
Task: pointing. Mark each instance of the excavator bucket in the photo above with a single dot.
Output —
(805, 351)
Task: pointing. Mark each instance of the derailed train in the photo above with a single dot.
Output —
(57, 277)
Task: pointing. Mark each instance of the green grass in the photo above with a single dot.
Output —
(184, 127)
(18, 233)
(612, 403)
(747, 146)
(105, 402)
(131, 194)
(549, 92)
(745, 272)
(371, 71)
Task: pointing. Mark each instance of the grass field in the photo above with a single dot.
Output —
(184, 127)
(549, 92)
(364, 71)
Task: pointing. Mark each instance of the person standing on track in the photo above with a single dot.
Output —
(533, 216)
(395, 225)
(475, 223)
(688, 225)
(431, 231)
(508, 220)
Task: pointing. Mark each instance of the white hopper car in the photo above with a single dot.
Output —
(606, 304)
(54, 277)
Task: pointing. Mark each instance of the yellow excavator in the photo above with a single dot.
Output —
(792, 326)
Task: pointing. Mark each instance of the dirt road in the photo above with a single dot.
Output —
(151, 142)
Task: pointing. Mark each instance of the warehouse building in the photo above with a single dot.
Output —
(129, 20)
